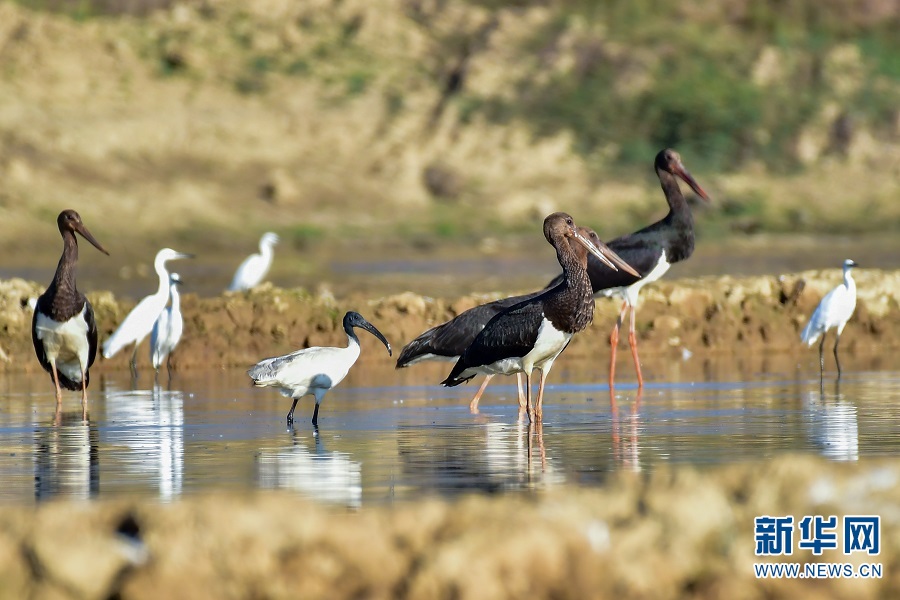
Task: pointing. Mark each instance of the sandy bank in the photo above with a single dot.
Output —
(721, 315)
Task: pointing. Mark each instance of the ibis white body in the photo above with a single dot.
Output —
(313, 371)
(255, 267)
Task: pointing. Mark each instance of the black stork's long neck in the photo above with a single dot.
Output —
(62, 292)
(679, 221)
(571, 307)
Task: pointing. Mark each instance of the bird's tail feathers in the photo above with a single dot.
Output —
(454, 380)
(413, 350)
(262, 373)
(71, 384)
(809, 335)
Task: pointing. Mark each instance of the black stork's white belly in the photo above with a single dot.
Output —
(549, 344)
(65, 343)
(630, 293)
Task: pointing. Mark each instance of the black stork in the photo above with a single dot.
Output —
(651, 250)
(531, 334)
(63, 329)
(447, 341)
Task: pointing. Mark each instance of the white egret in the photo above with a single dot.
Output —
(63, 329)
(168, 327)
(139, 322)
(833, 311)
(254, 268)
(313, 371)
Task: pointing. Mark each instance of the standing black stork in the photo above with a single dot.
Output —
(531, 334)
(63, 329)
(651, 250)
(447, 341)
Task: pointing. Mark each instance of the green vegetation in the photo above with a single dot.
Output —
(693, 65)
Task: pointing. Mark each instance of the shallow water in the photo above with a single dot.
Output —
(384, 436)
(447, 270)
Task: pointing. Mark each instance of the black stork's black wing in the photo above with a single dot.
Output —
(453, 337)
(510, 334)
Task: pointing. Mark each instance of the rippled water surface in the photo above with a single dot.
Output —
(387, 436)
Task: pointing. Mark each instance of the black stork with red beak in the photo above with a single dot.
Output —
(651, 250)
(532, 334)
(63, 329)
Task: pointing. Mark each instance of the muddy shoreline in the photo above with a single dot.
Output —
(721, 315)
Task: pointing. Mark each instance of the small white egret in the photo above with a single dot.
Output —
(63, 329)
(254, 268)
(139, 322)
(315, 370)
(168, 327)
(834, 310)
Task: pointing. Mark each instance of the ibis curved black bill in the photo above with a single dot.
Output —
(374, 331)
(606, 256)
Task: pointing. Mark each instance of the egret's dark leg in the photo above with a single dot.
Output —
(822, 355)
(837, 361)
(134, 359)
(315, 419)
(290, 417)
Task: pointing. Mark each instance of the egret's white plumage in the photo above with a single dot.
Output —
(254, 268)
(313, 371)
(833, 311)
(139, 322)
(168, 327)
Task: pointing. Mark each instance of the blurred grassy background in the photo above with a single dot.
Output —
(417, 122)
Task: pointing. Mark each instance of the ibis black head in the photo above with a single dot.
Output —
(354, 319)
(70, 221)
(670, 161)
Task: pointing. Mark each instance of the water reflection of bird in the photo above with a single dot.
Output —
(447, 341)
(63, 329)
(531, 334)
(168, 328)
(833, 425)
(139, 322)
(833, 311)
(150, 426)
(626, 450)
(314, 370)
(253, 270)
(321, 475)
(651, 250)
(66, 459)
